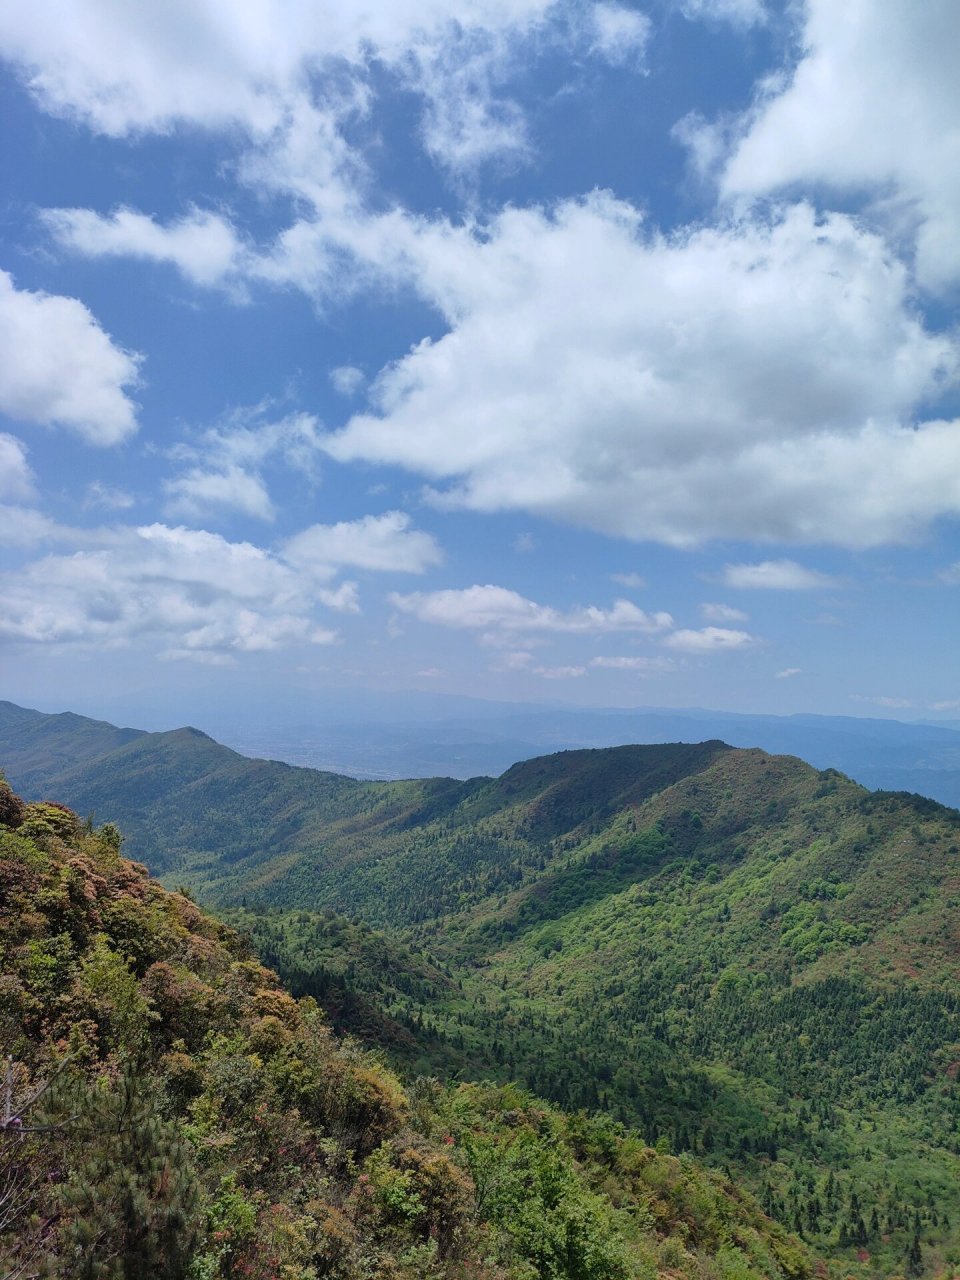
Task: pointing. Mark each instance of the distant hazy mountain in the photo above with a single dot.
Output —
(888, 754)
(464, 738)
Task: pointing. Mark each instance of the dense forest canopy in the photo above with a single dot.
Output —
(743, 961)
(174, 1112)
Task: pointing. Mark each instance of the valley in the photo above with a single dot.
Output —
(748, 962)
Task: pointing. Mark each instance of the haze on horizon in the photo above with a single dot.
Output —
(544, 351)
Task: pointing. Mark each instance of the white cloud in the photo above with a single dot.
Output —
(722, 613)
(559, 673)
(632, 580)
(483, 607)
(108, 496)
(197, 492)
(202, 657)
(384, 543)
(709, 640)
(648, 665)
(201, 245)
(777, 575)
(345, 597)
(873, 106)
(249, 436)
(16, 477)
(58, 367)
(466, 122)
(756, 380)
(514, 660)
(214, 64)
(741, 13)
(620, 33)
(25, 527)
(347, 379)
(884, 700)
(191, 591)
(229, 459)
(788, 673)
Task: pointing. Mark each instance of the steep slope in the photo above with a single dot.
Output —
(755, 962)
(173, 1112)
(747, 958)
(181, 794)
(241, 829)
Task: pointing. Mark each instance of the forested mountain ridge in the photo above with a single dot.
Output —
(757, 963)
(175, 1114)
(44, 745)
(750, 960)
(172, 792)
(201, 812)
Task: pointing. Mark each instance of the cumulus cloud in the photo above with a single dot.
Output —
(559, 673)
(489, 607)
(26, 526)
(203, 246)
(59, 368)
(16, 477)
(756, 380)
(709, 640)
(196, 492)
(898, 133)
(384, 543)
(217, 65)
(776, 575)
(788, 673)
(190, 591)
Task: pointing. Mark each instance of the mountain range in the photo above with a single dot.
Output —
(741, 957)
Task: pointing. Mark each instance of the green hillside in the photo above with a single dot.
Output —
(42, 746)
(757, 963)
(748, 960)
(173, 1113)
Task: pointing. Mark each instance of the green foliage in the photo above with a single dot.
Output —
(756, 964)
(130, 1204)
(177, 1114)
(748, 962)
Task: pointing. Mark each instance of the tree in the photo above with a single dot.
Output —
(915, 1258)
(130, 1206)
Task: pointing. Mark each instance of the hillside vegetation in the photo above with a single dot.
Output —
(753, 962)
(749, 961)
(176, 1113)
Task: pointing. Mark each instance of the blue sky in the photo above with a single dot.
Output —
(601, 352)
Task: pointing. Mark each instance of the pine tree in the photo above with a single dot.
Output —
(915, 1258)
(130, 1207)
